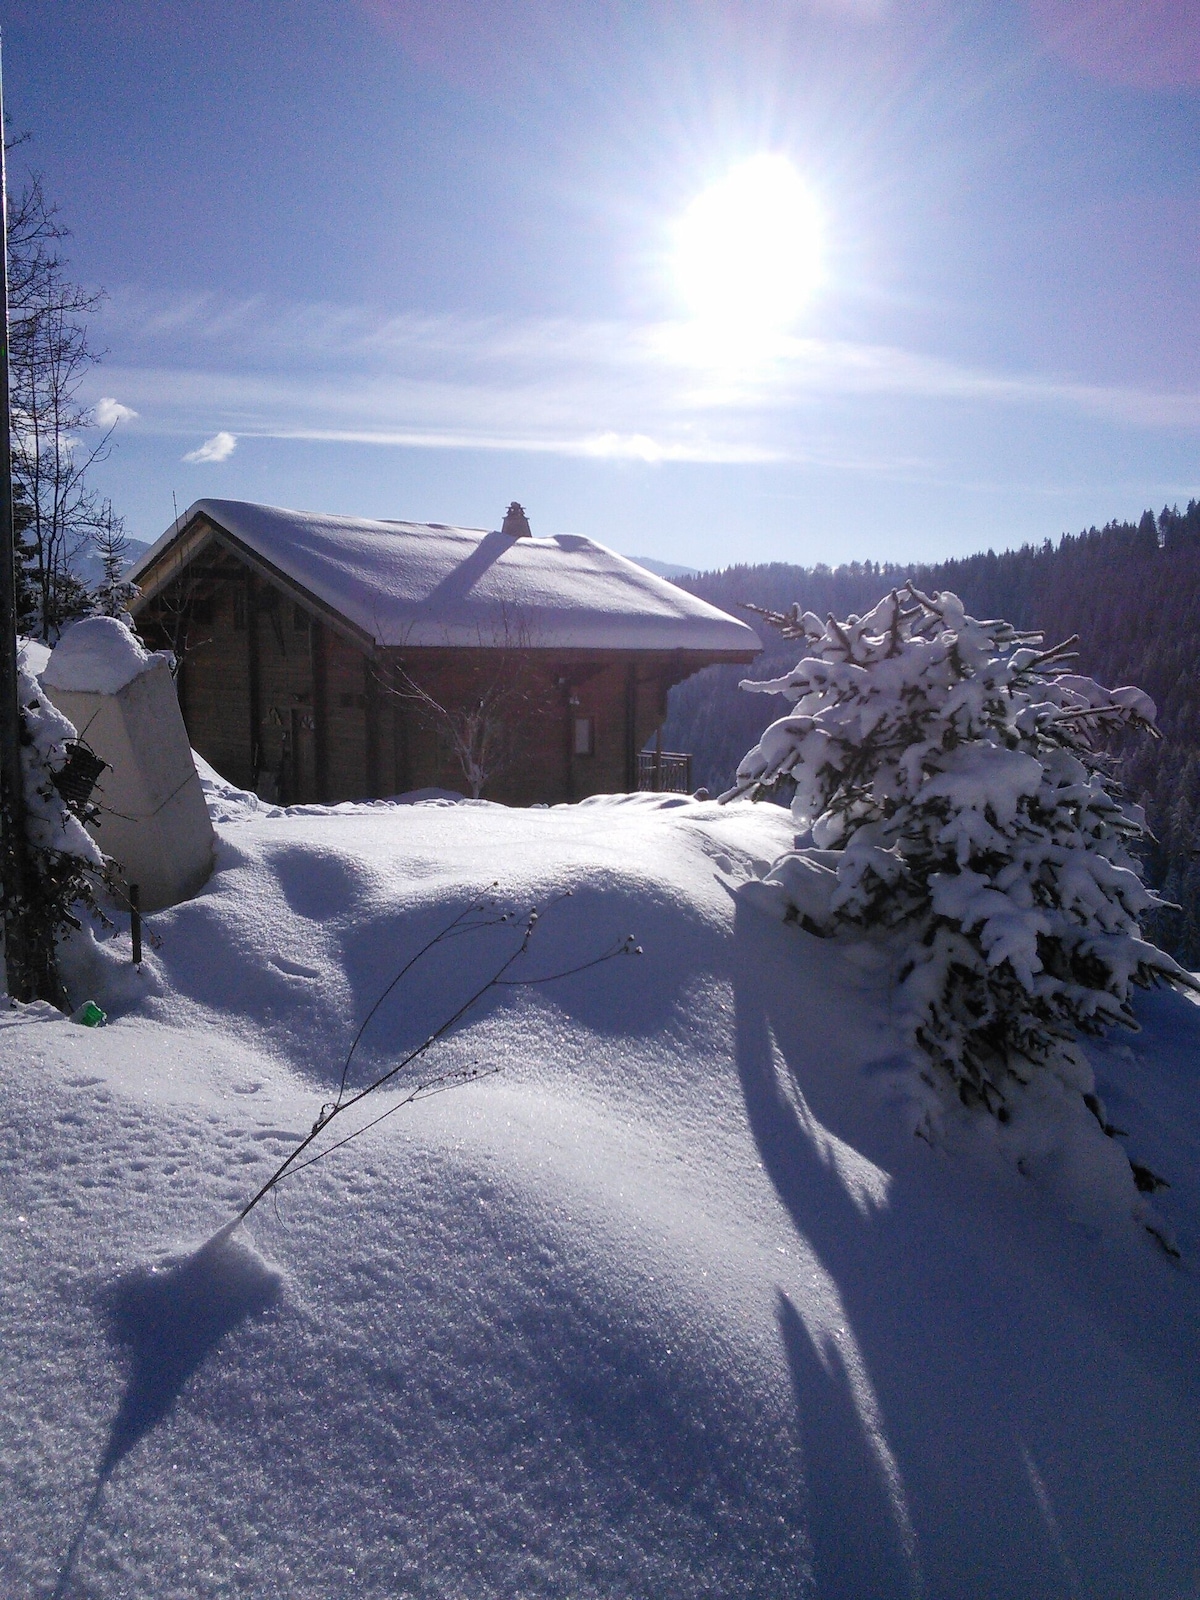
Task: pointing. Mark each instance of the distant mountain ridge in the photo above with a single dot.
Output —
(1131, 591)
(664, 569)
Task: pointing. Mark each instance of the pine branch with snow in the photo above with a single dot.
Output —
(949, 771)
(65, 860)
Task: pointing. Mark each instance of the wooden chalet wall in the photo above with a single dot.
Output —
(282, 700)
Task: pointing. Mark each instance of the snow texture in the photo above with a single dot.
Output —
(97, 655)
(670, 1306)
(413, 583)
(35, 656)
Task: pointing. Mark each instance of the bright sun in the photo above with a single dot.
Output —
(747, 252)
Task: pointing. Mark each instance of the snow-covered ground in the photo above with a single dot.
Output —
(673, 1304)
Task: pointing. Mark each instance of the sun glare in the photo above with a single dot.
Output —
(747, 252)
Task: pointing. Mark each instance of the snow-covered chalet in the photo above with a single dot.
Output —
(327, 658)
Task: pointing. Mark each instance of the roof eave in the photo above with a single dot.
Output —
(695, 657)
(165, 562)
(196, 535)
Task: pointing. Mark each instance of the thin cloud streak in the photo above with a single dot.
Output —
(273, 409)
(600, 446)
(618, 391)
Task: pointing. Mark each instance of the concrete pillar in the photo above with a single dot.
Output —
(153, 819)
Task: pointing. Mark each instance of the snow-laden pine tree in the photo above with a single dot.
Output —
(949, 772)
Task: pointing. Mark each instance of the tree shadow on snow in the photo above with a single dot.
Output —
(932, 1369)
(169, 1317)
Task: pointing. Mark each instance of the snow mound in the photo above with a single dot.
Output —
(673, 1304)
(227, 803)
(97, 655)
(33, 656)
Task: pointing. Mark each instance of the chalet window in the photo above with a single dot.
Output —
(203, 610)
(239, 610)
(585, 736)
(299, 620)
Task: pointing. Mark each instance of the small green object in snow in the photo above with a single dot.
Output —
(90, 1015)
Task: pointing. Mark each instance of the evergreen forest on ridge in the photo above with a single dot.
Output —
(1131, 591)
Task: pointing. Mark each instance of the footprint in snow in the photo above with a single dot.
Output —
(294, 969)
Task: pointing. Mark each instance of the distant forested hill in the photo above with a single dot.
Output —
(1131, 591)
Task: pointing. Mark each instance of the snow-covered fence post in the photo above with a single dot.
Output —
(959, 806)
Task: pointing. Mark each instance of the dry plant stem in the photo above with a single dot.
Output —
(456, 925)
(422, 1091)
(292, 1163)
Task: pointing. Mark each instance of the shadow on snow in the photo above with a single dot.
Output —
(969, 1424)
(170, 1317)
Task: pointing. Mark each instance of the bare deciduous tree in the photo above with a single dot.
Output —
(484, 716)
(56, 439)
(485, 727)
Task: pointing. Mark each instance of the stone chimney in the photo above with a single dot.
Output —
(516, 523)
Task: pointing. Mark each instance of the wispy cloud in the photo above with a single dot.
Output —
(599, 446)
(857, 10)
(619, 391)
(219, 448)
(108, 412)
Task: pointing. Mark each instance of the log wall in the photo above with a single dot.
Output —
(281, 701)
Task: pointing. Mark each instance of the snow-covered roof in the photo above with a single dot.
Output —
(426, 584)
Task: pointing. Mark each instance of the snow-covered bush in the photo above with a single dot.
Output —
(949, 775)
(63, 858)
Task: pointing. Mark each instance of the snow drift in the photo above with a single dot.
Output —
(674, 1304)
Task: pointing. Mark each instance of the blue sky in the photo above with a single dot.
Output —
(414, 258)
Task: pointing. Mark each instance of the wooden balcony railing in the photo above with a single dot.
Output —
(665, 771)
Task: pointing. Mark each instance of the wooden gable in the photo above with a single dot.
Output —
(285, 696)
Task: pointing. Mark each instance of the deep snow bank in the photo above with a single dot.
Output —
(672, 1305)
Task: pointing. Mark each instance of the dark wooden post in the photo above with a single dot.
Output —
(317, 659)
(15, 870)
(568, 736)
(631, 754)
(402, 755)
(371, 725)
(253, 676)
(181, 684)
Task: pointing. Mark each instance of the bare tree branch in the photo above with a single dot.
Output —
(56, 440)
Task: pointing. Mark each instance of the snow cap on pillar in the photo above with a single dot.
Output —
(151, 818)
